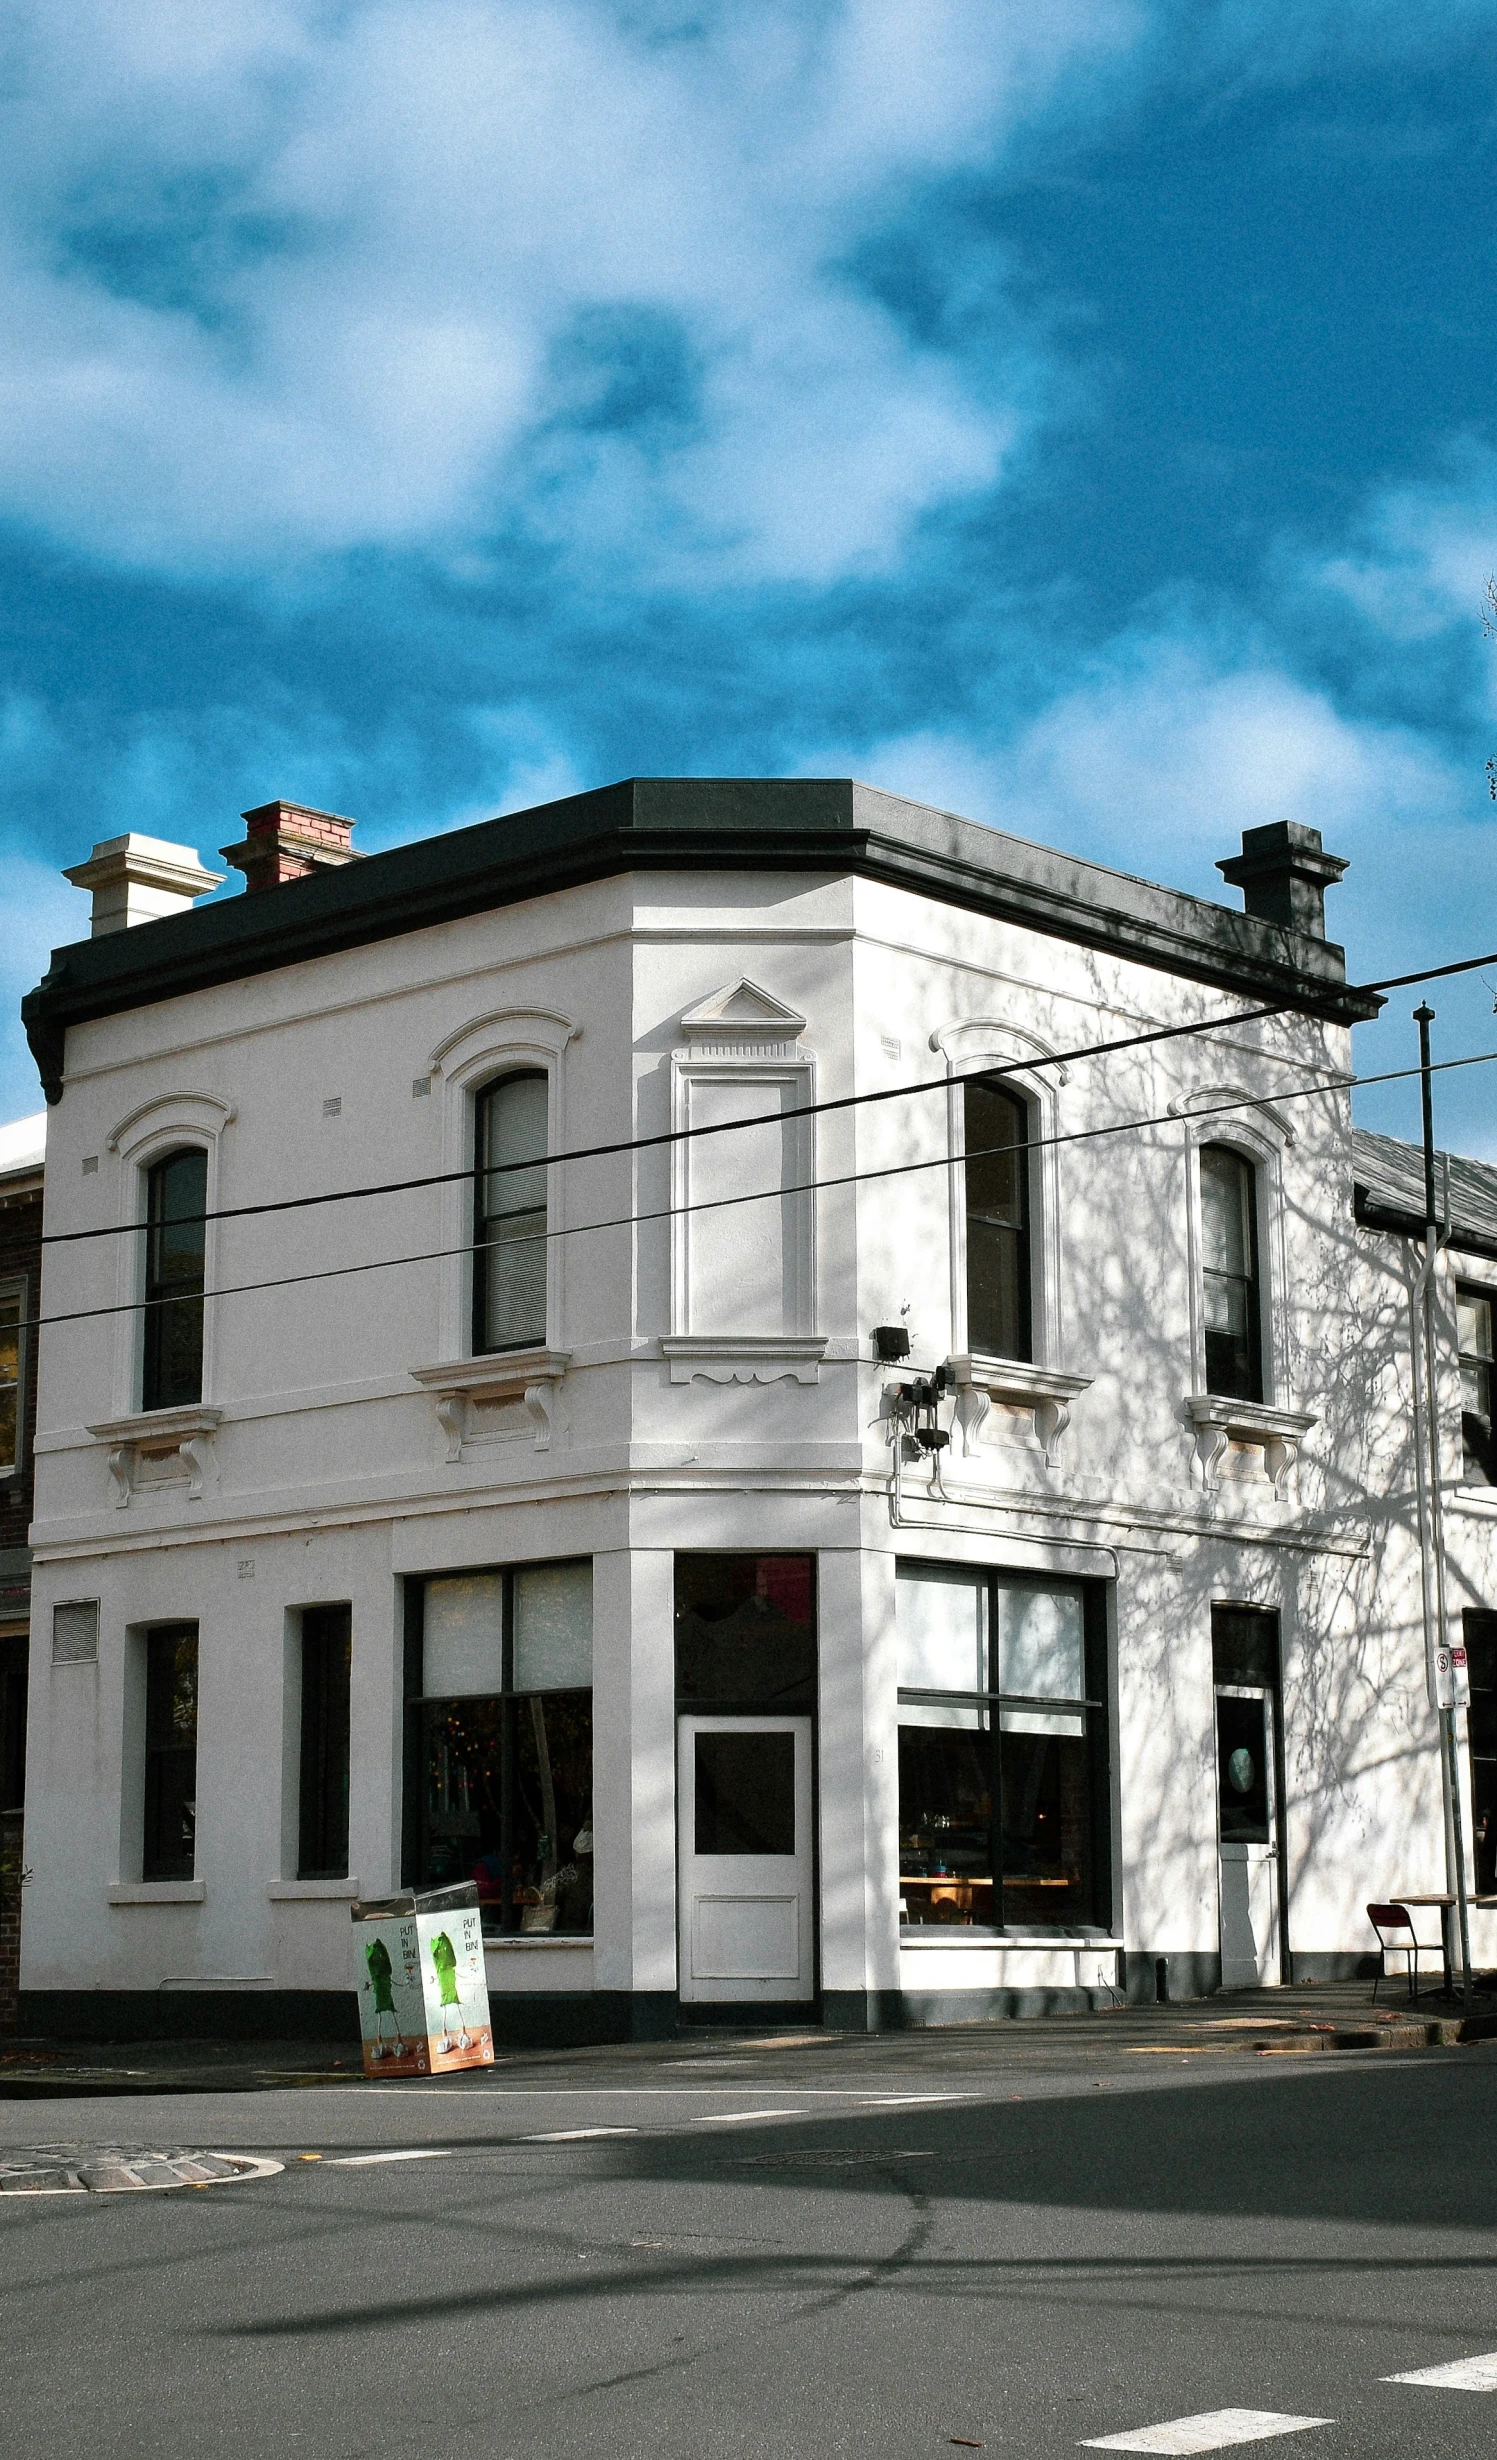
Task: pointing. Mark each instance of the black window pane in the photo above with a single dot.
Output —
(1242, 1770)
(996, 1127)
(946, 1823)
(507, 1803)
(746, 1630)
(13, 1663)
(1229, 1256)
(551, 1829)
(171, 1752)
(745, 1794)
(509, 1273)
(1245, 1646)
(1047, 1828)
(1474, 1319)
(176, 1197)
(326, 1664)
(1480, 1633)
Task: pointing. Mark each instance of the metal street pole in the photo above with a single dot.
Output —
(1450, 1660)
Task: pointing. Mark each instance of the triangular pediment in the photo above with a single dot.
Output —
(743, 1007)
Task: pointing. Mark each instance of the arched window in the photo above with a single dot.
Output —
(996, 1133)
(172, 1352)
(509, 1214)
(1229, 1270)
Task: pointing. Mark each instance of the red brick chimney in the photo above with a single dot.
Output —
(286, 841)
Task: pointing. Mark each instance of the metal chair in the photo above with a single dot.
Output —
(1398, 1919)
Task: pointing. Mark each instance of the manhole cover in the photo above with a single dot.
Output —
(120, 2169)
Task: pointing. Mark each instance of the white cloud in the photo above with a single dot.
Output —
(1424, 552)
(284, 280)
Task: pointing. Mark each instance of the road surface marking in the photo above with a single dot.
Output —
(1474, 2374)
(1212, 2430)
(576, 2135)
(900, 2101)
(366, 2161)
(730, 2118)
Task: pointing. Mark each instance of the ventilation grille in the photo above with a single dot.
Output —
(75, 1633)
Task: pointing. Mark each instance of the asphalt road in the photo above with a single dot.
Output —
(873, 2249)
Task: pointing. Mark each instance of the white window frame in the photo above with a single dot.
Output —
(170, 1124)
(966, 1046)
(506, 1042)
(1261, 1138)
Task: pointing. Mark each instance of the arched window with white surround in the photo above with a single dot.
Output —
(510, 1224)
(999, 1270)
(1231, 1279)
(176, 1191)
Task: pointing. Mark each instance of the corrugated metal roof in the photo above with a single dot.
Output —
(1389, 1176)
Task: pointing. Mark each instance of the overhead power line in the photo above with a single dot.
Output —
(765, 1195)
(992, 1074)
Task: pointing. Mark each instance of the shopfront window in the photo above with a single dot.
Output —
(501, 1744)
(1479, 1631)
(746, 1632)
(1002, 1759)
(171, 1769)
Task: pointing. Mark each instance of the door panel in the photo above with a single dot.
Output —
(1247, 1839)
(746, 1913)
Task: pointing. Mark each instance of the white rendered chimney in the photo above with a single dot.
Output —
(138, 879)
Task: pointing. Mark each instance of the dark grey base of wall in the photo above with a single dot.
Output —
(539, 2020)
(1159, 1980)
(1346, 1968)
(190, 2015)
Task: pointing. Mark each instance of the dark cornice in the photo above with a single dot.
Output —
(1374, 1213)
(823, 825)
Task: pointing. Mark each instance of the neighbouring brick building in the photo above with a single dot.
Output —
(22, 1147)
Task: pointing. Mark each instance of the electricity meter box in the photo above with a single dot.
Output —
(423, 1990)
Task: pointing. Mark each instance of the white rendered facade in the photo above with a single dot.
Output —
(705, 1383)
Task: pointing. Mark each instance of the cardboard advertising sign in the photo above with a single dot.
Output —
(423, 1990)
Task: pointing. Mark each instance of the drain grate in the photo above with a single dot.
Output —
(122, 2169)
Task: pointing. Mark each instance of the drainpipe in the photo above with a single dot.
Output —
(1448, 1659)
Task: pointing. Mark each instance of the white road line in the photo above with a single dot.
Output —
(1211, 2430)
(366, 2161)
(730, 2118)
(901, 2101)
(575, 2135)
(1474, 2374)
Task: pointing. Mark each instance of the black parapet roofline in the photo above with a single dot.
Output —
(814, 824)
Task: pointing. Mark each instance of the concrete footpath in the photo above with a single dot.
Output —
(1242, 2024)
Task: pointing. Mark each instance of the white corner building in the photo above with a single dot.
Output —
(947, 1547)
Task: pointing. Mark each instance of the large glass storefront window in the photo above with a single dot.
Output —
(1002, 1761)
(500, 1766)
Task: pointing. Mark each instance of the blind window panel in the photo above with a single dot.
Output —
(554, 1627)
(1041, 1655)
(941, 1621)
(464, 1636)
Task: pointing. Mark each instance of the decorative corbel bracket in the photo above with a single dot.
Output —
(161, 1447)
(520, 1383)
(1219, 1421)
(1049, 1395)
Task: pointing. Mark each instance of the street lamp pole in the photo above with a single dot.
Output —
(1449, 1658)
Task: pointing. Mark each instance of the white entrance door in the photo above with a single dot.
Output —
(747, 1915)
(1247, 1839)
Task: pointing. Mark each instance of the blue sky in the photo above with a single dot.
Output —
(1082, 413)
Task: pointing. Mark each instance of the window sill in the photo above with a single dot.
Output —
(161, 1447)
(935, 1935)
(539, 1939)
(158, 1892)
(1015, 1383)
(515, 1388)
(310, 1891)
(1219, 1422)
